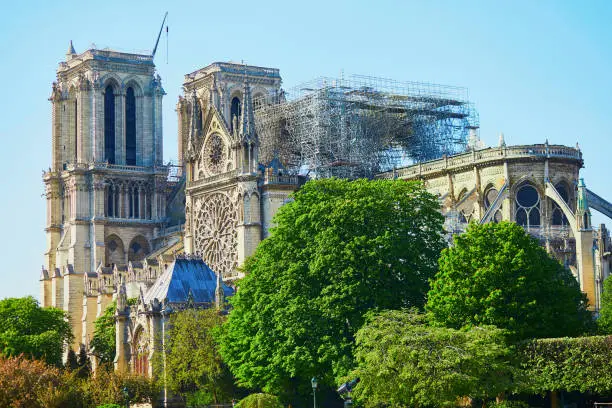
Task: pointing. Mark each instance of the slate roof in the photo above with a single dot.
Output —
(183, 276)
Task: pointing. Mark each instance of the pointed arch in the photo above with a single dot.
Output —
(138, 248)
(114, 250)
(140, 351)
(72, 117)
(527, 200)
(109, 91)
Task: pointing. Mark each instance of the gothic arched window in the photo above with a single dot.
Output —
(110, 202)
(76, 130)
(109, 124)
(527, 206)
(558, 218)
(235, 110)
(489, 197)
(130, 127)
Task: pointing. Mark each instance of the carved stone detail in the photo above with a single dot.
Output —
(215, 232)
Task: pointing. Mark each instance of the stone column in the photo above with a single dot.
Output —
(121, 330)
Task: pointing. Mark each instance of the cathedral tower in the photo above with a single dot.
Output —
(218, 149)
(105, 187)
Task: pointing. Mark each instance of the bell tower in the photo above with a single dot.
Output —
(219, 149)
(106, 185)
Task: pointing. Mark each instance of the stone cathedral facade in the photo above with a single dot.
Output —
(120, 228)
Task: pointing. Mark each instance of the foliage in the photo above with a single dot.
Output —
(26, 328)
(103, 341)
(604, 322)
(568, 364)
(402, 361)
(339, 249)
(496, 274)
(71, 360)
(508, 404)
(106, 387)
(259, 401)
(192, 361)
(110, 406)
(26, 383)
(83, 362)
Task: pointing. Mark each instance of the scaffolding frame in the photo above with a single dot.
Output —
(361, 125)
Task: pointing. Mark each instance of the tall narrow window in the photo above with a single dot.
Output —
(110, 202)
(130, 127)
(109, 124)
(76, 130)
(235, 111)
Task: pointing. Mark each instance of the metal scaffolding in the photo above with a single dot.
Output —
(363, 125)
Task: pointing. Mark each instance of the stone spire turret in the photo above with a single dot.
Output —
(219, 294)
(502, 141)
(71, 52)
(192, 125)
(247, 125)
(583, 214)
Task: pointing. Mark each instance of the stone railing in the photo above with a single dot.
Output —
(542, 151)
(212, 179)
(70, 166)
(270, 179)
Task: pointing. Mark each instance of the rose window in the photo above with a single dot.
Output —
(215, 233)
(215, 154)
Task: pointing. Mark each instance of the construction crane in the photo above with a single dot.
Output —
(159, 35)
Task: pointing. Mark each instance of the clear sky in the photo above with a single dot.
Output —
(536, 70)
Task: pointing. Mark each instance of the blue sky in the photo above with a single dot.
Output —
(536, 70)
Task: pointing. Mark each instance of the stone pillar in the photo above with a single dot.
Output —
(90, 308)
(57, 289)
(73, 303)
(121, 330)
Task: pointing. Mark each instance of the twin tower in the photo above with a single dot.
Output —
(111, 206)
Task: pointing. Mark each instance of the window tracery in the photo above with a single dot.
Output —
(215, 233)
(141, 353)
(527, 206)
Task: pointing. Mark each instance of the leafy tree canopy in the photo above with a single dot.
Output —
(259, 401)
(193, 363)
(401, 361)
(339, 249)
(496, 274)
(580, 364)
(604, 322)
(103, 342)
(26, 328)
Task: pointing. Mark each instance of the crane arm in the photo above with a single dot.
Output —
(159, 35)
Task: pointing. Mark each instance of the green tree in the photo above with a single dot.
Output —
(26, 328)
(604, 322)
(260, 401)
(193, 364)
(83, 363)
(402, 361)
(71, 360)
(103, 340)
(496, 274)
(339, 249)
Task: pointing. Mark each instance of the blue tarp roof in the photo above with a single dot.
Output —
(182, 276)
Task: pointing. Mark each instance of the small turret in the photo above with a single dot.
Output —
(71, 53)
(219, 294)
(247, 125)
(583, 214)
(502, 141)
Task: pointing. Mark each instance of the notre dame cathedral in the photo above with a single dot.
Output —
(123, 225)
